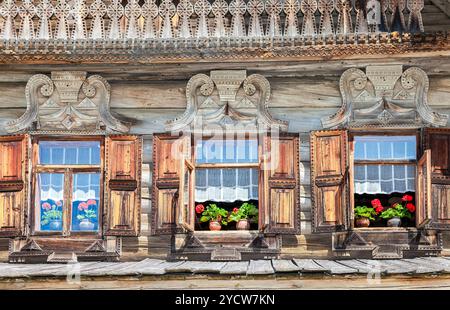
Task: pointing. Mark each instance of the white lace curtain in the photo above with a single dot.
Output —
(226, 184)
(384, 179)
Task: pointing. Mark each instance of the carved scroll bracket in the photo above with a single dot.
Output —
(68, 101)
(384, 96)
(227, 100)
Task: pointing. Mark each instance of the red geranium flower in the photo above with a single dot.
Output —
(235, 210)
(411, 208)
(407, 198)
(82, 206)
(46, 206)
(91, 202)
(59, 203)
(378, 209)
(199, 209)
(376, 203)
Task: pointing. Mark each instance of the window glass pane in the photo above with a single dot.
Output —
(385, 148)
(226, 184)
(227, 151)
(384, 179)
(50, 197)
(85, 201)
(69, 152)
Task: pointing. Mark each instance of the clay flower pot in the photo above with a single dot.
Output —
(362, 222)
(214, 226)
(243, 225)
(85, 224)
(55, 225)
(394, 222)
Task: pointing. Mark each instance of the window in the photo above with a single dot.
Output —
(384, 169)
(227, 174)
(67, 186)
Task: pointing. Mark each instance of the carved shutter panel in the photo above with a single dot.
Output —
(423, 192)
(186, 196)
(169, 154)
(123, 185)
(329, 180)
(13, 184)
(438, 142)
(279, 179)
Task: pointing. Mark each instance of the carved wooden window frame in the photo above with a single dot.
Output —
(385, 132)
(226, 137)
(68, 170)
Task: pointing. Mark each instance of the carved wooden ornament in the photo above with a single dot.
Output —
(384, 96)
(227, 99)
(67, 101)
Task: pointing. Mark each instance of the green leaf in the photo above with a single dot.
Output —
(204, 219)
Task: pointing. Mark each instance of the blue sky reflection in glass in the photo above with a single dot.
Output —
(226, 151)
(69, 152)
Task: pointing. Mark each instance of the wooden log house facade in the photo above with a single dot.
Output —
(119, 118)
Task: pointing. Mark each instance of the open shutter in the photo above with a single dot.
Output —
(329, 185)
(423, 193)
(437, 140)
(13, 184)
(123, 185)
(169, 155)
(279, 190)
(186, 197)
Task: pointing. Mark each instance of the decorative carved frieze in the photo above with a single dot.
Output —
(67, 101)
(227, 98)
(384, 96)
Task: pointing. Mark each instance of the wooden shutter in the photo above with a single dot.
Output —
(186, 196)
(279, 189)
(329, 185)
(169, 155)
(423, 192)
(123, 185)
(13, 184)
(437, 140)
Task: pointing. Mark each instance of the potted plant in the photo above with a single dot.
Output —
(52, 216)
(363, 216)
(215, 216)
(87, 214)
(243, 215)
(399, 211)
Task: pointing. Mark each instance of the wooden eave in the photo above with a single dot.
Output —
(374, 45)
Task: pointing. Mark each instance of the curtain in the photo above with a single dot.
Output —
(226, 184)
(384, 179)
(51, 186)
(86, 186)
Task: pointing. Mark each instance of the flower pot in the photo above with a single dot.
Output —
(214, 225)
(362, 222)
(86, 225)
(243, 225)
(55, 225)
(394, 222)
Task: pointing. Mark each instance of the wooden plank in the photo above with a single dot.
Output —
(424, 266)
(208, 267)
(184, 267)
(260, 267)
(363, 267)
(284, 265)
(390, 266)
(439, 261)
(335, 267)
(234, 268)
(309, 265)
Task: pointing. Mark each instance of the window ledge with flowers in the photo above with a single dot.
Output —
(393, 212)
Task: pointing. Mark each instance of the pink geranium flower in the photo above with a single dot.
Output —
(91, 202)
(46, 206)
(82, 206)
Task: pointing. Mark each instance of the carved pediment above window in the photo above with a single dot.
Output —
(384, 96)
(67, 101)
(229, 100)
